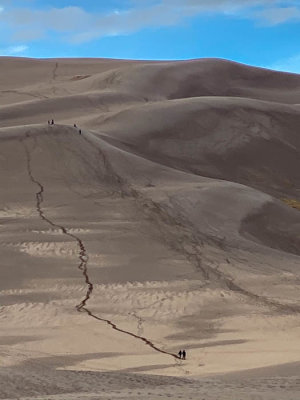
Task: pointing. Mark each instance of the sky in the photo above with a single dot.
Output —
(264, 33)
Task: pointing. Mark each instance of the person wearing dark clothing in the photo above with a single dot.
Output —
(180, 354)
(183, 354)
(75, 126)
(79, 131)
(52, 122)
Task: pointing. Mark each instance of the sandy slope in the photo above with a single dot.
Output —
(161, 226)
(243, 140)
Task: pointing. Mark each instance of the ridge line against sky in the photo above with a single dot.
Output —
(258, 32)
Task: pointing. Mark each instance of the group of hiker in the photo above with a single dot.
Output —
(51, 122)
(182, 354)
(75, 126)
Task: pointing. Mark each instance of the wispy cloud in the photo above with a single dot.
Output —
(77, 25)
(290, 64)
(13, 50)
(279, 15)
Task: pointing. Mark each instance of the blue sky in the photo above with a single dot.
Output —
(257, 32)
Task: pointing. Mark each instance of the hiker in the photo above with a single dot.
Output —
(75, 126)
(79, 131)
(52, 122)
(183, 354)
(180, 354)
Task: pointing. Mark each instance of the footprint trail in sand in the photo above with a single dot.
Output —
(83, 257)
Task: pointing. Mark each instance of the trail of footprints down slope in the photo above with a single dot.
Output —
(83, 258)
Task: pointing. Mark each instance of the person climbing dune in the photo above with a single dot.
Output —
(180, 354)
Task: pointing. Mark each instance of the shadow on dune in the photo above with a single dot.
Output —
(274, 227)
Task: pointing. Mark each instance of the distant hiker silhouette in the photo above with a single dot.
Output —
(52, 122)
(79, 131)
(180, 353)
(183, 354)
(75, 126)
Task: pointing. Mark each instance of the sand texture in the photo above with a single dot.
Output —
(170, 221)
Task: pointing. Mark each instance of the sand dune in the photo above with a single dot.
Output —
(205, 77)
(247, 141)
(170, 222)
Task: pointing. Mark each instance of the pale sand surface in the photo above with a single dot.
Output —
(161, 227)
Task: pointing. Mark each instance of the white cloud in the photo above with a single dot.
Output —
(279, 15)
(291, 64)
(76, 25)
(13, 50)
